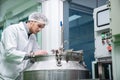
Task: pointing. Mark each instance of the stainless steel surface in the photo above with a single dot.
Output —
(46, 68)
(55, 75)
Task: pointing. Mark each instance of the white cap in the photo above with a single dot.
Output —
(39, 17)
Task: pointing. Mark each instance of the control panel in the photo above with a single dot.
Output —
(102, 31)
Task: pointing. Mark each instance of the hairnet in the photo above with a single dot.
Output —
(39, 17)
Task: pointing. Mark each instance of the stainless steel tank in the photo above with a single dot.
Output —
(57, 67)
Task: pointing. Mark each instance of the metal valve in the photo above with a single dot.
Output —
(58, 56)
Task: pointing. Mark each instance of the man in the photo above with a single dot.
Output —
(19, 46)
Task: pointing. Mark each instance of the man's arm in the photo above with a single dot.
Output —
(9, 41)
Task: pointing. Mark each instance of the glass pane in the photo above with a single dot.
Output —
(81, 30)
(81, 34)
(103, 18)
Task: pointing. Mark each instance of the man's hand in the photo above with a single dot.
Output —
(40, 52)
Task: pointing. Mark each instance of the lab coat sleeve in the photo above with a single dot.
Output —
(12, 54)
(36, 46)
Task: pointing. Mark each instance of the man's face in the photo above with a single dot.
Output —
(36, 27)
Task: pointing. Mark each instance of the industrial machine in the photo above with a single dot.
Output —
(103, 43)
(62, 65)
(115, 26)
(59, 64)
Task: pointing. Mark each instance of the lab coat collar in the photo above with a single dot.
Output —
(26, 28)
(21, 26)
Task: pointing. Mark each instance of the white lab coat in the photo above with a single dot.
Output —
(15, 45)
